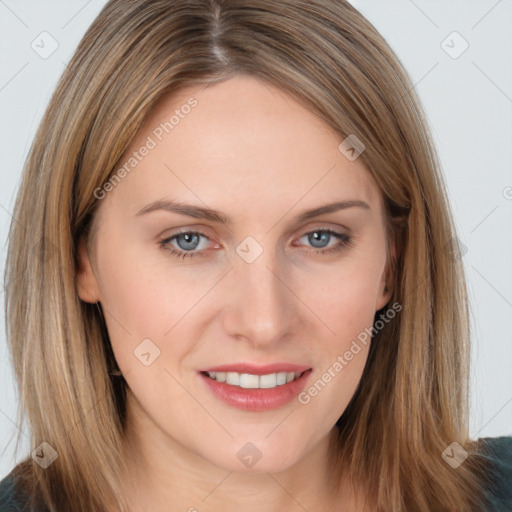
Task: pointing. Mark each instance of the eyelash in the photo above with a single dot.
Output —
(344, 239)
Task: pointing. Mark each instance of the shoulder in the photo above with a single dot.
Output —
(8, 495)
(13, 498)
(498, 452)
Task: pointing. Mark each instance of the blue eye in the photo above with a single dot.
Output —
(319, 237)
(188, 242)
(186, 248)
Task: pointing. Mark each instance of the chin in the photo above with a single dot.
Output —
(256, 456)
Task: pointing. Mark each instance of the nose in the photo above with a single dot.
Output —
(261, 306)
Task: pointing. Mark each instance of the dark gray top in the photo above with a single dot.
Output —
(499, 490)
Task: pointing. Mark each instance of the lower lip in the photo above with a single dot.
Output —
(257, 399)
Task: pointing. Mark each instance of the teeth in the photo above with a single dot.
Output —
(265, 381)
(249, 381)
(281, 378)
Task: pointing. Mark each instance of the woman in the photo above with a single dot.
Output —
(245, 281)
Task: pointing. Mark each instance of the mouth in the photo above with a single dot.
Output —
(253, 381)
(256, 389)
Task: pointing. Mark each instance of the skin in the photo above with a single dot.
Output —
(253, 153)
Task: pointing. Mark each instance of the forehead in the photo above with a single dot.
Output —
(242, 139)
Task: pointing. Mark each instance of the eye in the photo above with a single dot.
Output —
(188, 242)
(319, 238)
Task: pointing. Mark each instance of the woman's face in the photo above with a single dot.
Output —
(184, 292)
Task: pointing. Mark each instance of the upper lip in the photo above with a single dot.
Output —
(254, 369)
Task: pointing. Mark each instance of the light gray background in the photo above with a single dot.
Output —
(468, 100)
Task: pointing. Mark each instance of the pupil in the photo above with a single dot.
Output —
(318, 235)
(188, 237)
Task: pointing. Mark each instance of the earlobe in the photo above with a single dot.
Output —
(86, 284)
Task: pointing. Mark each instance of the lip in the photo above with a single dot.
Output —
(263, 399)
(254, 369)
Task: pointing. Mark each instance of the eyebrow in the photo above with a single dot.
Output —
(198, 212)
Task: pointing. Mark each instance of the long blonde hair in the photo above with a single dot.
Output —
(412, 401)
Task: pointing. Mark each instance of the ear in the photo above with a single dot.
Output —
(87, 285)
(385, 286)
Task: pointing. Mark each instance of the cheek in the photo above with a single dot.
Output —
(136, 305)
(344, 305)
(147, 297)
(345, 299)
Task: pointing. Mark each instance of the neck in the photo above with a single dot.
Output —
(163, 472)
